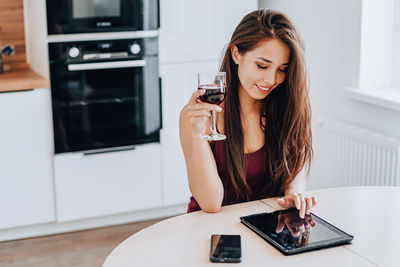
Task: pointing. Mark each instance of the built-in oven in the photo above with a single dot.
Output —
(89, 16)
(105, 94)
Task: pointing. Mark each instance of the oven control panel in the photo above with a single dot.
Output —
(74, 52)
(104, 50)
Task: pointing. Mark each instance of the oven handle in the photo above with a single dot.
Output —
(107, 65)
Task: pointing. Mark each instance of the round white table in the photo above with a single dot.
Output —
(371, 214)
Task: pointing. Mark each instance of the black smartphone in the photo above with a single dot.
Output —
(225, 248)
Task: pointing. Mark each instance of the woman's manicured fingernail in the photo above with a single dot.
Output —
(219, 109)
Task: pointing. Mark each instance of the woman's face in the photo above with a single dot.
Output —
(263, 68)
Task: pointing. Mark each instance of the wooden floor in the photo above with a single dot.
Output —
(84, 248)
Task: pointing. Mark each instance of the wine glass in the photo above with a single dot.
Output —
(215, 85)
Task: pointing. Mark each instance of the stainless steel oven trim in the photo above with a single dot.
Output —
(107, 65)
(59, 38)
(105, 55)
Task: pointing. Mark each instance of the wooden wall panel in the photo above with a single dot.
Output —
(12, 29)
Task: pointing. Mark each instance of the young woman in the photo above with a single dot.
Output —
(266, 117)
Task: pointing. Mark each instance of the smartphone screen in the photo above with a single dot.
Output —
(225, 248)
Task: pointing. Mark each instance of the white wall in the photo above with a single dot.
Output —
(332, 34)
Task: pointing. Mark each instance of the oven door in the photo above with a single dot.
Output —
(85, 16)
(105, 104)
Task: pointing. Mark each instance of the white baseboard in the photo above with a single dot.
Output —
(57, 228)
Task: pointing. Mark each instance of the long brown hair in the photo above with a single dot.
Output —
(286, 113)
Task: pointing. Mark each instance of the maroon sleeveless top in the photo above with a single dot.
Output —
(256, 175)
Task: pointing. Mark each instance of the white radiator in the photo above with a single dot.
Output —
(352, 155)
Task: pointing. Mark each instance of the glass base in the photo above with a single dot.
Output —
(214, 137)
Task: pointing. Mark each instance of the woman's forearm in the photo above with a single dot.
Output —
(204, 181)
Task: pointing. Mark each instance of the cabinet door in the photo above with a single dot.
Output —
(26, 153)
(179, 81)
(193, 30)
(107, 183)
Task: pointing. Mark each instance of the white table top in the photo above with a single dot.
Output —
(371, 214)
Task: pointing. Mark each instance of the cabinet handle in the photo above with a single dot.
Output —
(108, 150)
(107, 65)
(161, 113)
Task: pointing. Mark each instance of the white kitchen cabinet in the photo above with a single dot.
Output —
(175, 183)
(193, 30)
(104, 184)
(179, 81)
(26, 154)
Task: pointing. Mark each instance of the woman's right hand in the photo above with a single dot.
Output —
(198, 113)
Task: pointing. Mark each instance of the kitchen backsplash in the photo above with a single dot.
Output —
(12, 29)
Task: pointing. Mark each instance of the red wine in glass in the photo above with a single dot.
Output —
(214, 84)
(214, 94)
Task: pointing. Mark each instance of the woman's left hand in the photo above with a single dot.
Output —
(303, 204)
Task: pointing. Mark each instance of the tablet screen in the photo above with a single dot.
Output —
(288, 231)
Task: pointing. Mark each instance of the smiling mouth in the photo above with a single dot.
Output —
(265, 89)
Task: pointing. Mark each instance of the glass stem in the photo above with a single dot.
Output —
(213, 129)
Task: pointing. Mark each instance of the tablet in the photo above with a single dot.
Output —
(290, 234)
